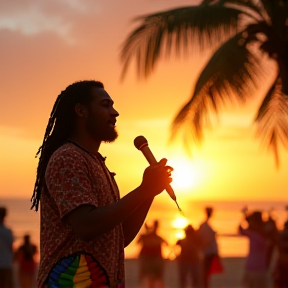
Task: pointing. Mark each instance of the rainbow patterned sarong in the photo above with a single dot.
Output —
(78, 271)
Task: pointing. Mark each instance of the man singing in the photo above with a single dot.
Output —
(85, 225)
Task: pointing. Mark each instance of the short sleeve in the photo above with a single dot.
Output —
(68, 183)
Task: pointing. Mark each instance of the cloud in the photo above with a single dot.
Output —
(34, 17)
(34, 21)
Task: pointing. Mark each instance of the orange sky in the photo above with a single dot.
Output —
(47, 45)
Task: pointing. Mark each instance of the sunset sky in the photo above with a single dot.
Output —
(47, 45)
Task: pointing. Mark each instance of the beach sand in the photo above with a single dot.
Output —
(230, 278)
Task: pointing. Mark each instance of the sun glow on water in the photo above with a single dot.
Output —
(180, 222)
(179, 234)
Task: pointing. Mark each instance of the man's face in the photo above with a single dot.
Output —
(101, 116)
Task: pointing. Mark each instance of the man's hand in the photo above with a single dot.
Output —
(156, 178)
(89, 221)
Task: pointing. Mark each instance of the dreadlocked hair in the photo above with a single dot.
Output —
(59, 128)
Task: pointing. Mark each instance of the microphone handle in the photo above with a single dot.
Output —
(170, 191)
(152, 160)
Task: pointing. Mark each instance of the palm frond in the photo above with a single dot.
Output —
(208, 2)
(231, 72)
(278, 17)
(272, 119)
(272, 7)
(248, 7)
(202, 25)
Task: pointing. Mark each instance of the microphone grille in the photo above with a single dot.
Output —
(140, 141)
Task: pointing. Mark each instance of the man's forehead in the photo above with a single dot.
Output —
(100, 94)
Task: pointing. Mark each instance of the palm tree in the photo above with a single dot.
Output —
(245, 32)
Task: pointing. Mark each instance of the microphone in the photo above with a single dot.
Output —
(141, 144)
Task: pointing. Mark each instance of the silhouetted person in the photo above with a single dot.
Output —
(151, 258)
(209, 247)
(141, 256)
(27, 266)
(189, 263)
(255, 274)
(271, 233)
(281, 271)
(6, 252)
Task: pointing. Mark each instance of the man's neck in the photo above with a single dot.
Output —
(89, 145)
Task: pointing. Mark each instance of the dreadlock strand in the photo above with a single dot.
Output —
(59, 128)
(35, 199)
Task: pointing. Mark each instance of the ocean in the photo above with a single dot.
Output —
(225, 221)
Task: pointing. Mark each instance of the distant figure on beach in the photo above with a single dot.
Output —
(27, 266)
(151, 258)
(6, 252)
(211, 259)
(271, 234)
(189, 262)
(255, 274)
(281, 270)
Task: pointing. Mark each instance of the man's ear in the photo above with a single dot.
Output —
(81, 110)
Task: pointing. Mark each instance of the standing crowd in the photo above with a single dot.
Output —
(197, 261)
(23, 257)
(266, 264)
(267, 260)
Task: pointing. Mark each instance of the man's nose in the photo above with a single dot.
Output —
(115, 112)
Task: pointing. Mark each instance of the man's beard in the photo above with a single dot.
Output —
(111, 137)
(100, 133)
(107, 136)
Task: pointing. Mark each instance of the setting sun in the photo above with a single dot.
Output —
(184, 174)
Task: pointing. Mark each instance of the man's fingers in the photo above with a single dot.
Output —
(169, 169)
(163, 161)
